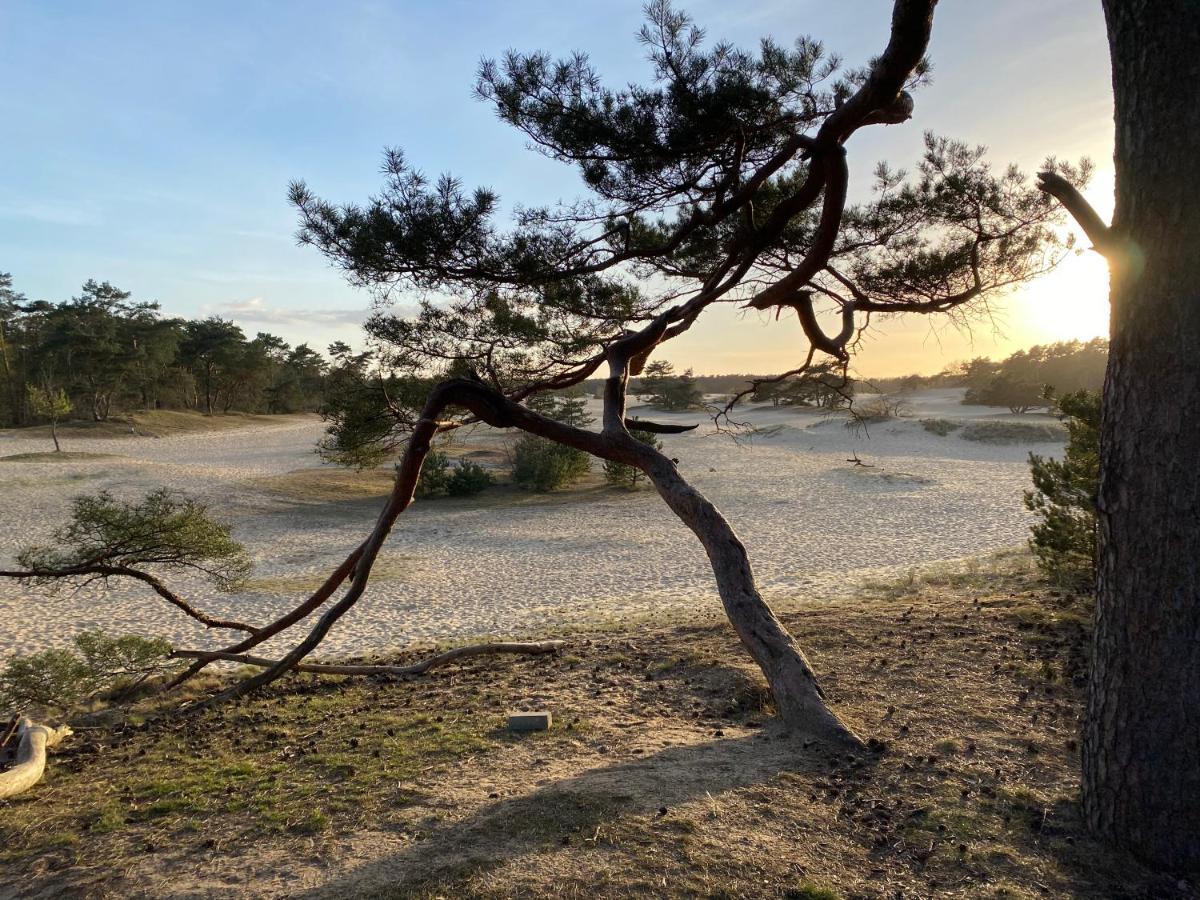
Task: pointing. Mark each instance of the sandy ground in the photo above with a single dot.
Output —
(814, 524)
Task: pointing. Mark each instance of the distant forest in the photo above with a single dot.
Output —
(1022, 381)
(108, 353)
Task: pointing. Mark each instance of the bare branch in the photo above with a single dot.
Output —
(433, 662)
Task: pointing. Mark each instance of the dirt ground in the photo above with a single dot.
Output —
(663, 775)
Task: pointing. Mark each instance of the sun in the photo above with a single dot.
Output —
(1071, 303)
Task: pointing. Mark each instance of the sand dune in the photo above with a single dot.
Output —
(815, 526)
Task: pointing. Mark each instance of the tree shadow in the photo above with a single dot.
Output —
(573, 808)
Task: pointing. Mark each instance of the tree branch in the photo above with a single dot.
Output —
(1081, 211)
(433, 662)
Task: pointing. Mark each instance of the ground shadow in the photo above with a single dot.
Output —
(565, 809)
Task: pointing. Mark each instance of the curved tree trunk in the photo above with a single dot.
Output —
(798, 696)
(1141, 747)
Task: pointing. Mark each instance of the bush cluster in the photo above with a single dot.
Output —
(439, 479)
(1064, 497)
(57, 679)
(542, 465)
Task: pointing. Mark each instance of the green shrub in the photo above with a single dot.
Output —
(1013, 432)
(628, 477)
(468, 479)
(57, 679)
(1064, 497)
(435, 476)
(542, 465)
(940, 427)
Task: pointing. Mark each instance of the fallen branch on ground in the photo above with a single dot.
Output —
(433, 662)
(31, 757)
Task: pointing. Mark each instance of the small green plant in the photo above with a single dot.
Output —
(52, 405)
(469, 479)
(1064, 497)
(629, 477)
(57, 679)
(542, 465)
(435, 475)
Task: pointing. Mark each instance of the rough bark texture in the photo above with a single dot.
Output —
(1141, 749)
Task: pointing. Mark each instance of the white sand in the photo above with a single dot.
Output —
(814, 525)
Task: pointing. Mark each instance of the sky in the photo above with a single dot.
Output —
(150, 144)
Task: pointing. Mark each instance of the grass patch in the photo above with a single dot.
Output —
(327, 484)
(55, 456)
(1014, 432)
(304, 760)
(662, 776)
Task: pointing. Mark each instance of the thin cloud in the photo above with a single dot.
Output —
(257, 310)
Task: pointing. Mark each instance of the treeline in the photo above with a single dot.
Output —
(105, 353)
(1029, 379)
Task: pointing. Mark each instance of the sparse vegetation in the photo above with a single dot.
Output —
(1013, 432)
(693, 795)
(56, 680)
(1064, 497)
(940, 427)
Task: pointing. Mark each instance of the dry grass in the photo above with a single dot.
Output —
(328, 484)
(663, 776)
(155, 423)
(55, 457)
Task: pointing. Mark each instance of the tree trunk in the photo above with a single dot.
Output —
(1141, 747)
(54, 434)
(798, 698)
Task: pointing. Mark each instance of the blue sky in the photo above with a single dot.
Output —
(150, 143)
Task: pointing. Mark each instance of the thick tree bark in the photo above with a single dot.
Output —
(1141, 747)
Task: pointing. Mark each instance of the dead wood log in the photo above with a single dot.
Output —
(433, 662)
(31, 757)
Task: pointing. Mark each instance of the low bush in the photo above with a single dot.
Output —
(435, 476)
(940, 427)
(57, 679)
(468, 480)
(542, 465)
(1014, 432)
(882, 408)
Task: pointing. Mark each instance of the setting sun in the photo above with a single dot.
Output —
(1070, 303)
